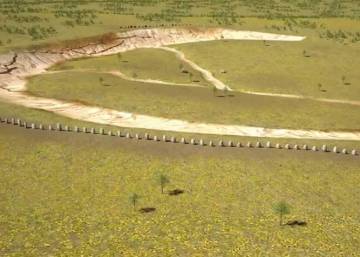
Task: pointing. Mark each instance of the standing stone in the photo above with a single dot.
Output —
(50, 128)
(6, 120)
(239, 145)
(201, 142)
(230, 144)
(18, 122)
(84, 129)
(102, 131)
(324, 148)
(41, 127)
(67, 128)
(137, 136)
(33, 126)
(221, 143)
(314, 148)
(335, 150)
(296, 147)
(344, 151)
(164, 138)
(211, 143)
(305, 147)
(192, 141)
(278, 146)
(92, 131)
(128, 135)
(146, 136)
(173, 140)
(25, 124)
(76, 129)
(287, 146)
(182, 140)
(110, 133)
(13, 121)
(155, 138)
(354, 152)
(249, 144)
(118, 133)
(268, 144)
(258, 145)
(58, 126)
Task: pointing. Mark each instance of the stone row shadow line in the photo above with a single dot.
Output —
(173, 139)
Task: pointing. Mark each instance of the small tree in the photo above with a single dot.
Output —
(119, 56)
(134, 198)
(343, 78)
(163, 180)
(281, 208)
(319, 86)
(226, 90)
(214, 90)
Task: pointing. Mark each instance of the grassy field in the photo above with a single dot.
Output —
(68, 196)
(139, 64)
(325, 70)
(38, 116)
(194, 104)
(316, 67)
(34, 22)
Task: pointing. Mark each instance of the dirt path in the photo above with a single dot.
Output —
(17, 67)
(152, 81)
(119, 74)
(205, 73)
(160, 82)
(124, 119)
(324, 100)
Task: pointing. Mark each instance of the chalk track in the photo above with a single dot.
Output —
(16, 67)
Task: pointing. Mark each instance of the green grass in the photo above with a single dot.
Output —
(27, 23)
(284, 67)
(68, 196)
(43, 117)
(194, 104)
(141, 64)
(9, 110)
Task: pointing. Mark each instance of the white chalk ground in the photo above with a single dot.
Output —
(12, 85)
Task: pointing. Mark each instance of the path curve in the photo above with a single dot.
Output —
(14, 68)
(124, 119)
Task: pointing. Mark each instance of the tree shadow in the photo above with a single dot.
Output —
(147, 209)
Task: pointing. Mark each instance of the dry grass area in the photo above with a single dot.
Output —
(66, 195)
(194, 104)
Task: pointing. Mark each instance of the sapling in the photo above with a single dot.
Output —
(163, 180)
(281, 208)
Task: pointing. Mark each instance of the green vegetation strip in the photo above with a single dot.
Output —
(172, 139)
(43, 117)
(138, 64)
(194, 104)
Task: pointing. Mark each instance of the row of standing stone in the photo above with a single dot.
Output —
(172, 139)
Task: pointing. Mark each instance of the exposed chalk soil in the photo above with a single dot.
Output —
(15, 67)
